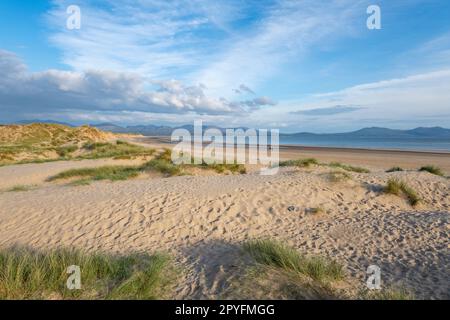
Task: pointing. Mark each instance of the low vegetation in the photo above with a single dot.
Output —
(394, 169)
(348, 167)
(281, 272)
(301, 163)
(338, 176)
(316, 210)
(222, 167)
(276, 254)
(399, 188)
(39, 142)
(118, 150)
(20, 188)
(30, 274)
(161, 163)
(113, 173)
(388, 294)
(304, 163)
(433, 170)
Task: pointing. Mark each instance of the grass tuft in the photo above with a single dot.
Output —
(338, 176)
(30, 274)
(388, 294)
(301, 163)
(348, 167)
(316, 210)
(394, 169)
(118, 150)
(113, 173)
(20, 188)
(275, 254)
(163, 166)
(433, 170)
(397, 187)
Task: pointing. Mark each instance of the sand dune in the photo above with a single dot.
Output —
(203, 220)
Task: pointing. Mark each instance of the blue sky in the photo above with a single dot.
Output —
(303, 65)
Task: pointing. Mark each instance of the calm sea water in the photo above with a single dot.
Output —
(368, 143)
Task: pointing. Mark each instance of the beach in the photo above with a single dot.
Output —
(202, 221)
(377, 159)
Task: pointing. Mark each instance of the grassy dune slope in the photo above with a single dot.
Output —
(40, 142)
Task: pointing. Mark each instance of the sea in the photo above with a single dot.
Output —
(429, 145)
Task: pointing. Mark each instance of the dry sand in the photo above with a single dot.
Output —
(203, 220)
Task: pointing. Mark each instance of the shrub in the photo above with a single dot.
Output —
(398, 188)
(275, 254)
(433, 170)
(348, 167)
(394, 169)
(299, 163)
(30, 274)
(113, 173)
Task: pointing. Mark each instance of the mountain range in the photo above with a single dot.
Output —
(365, 133)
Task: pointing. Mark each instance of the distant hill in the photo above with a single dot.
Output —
(380, 133)
(43, 121)
(365, 133)
(150, 130)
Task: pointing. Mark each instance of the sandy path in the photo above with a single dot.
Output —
(203, 220)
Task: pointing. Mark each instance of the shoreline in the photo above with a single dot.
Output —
(166, 140)
(372, 158)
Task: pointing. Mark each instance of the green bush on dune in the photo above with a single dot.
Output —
(113, 173)
(30, 274)
(161, 163)
(433, 170)
(302, 163)
(276, 254)
(348, 167)
(119, 149)
(397, 187)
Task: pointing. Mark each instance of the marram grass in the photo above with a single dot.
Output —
(276, 254)
(30, 274)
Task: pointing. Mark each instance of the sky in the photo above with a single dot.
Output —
(304, 65)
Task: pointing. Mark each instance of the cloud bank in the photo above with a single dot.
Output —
(54, 91)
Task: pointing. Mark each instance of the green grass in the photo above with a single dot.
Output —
(316, 210)
(113, 173)
(222, 167)
(120, 149)
(433, 170)
(163, 166)
(388, 294)
(89, 150)
(65, 151)
(348, 167)
(20, 188)
(301, 163)
(394, 169)
(80, 182)
(161, 163)
(29, 274)
(399, 188)
(338, 176)
(279, 255)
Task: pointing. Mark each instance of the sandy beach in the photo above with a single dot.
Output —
(376, 159)
(203, 220)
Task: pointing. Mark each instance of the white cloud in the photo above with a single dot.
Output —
(417, 100)
(104, 91)
(288, 31)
